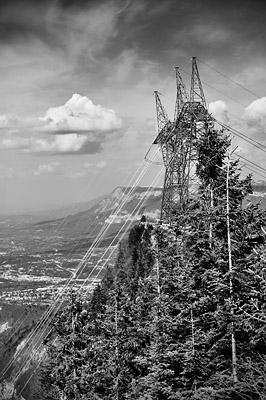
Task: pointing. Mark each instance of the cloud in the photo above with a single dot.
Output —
(50, 51)
(130, 66)
(219, 110)
(87, 165)
(212, 34)
(58, 144)
(84, 169)
(79, 114)
(101, 164)
(63, 49)
(78, 31)
(6, 172)
(73, 172)
(9, 121)
(48, 169)
(77, 127)
(255, 114)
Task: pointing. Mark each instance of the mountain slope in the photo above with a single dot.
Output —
(121, 207)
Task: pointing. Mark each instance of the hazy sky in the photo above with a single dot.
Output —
(77, 77)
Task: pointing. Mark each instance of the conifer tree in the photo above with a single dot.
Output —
(160, 324)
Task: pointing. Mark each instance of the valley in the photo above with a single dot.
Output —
(38, 257)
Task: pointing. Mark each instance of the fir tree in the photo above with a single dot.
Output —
(160, 324)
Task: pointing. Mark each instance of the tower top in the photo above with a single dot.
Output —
(181, 94)
(196, 90)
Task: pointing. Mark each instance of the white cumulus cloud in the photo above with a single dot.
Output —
(78, 127)
(79, 114)
(71, 143)
(219, 110)
(255, 114)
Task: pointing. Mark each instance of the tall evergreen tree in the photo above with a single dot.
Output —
(161, 323)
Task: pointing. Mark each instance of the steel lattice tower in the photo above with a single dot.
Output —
(178, 140)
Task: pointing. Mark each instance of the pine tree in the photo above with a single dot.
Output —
(160, 324)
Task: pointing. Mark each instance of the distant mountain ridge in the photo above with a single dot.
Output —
(65, 233)
(120, 209)
(151, 205)
(106, 204)
(122, 206)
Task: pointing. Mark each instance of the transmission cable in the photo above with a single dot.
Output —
(251, 141)
(219, 91)
(135, 211)
(256, 165)
(144, 198)
(253, 170)
(64, 221)
(59, 297)
(230, 79)
(75, 273)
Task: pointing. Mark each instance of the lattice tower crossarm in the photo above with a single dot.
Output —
(165, 127)
(178, 142)
(162, 118)
(180, 176)
(181, 94)
(196, 91)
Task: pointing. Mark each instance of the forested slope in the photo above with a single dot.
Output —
(182, 315)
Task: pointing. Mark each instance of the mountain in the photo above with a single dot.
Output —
(122, 205)
(47, 214)
(37, 256)
(258, 195)
(39, 252)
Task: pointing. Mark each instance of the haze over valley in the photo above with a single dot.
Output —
(39, 255)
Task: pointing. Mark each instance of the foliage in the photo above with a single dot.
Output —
(160, 324)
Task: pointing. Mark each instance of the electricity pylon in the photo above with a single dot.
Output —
(178, 142)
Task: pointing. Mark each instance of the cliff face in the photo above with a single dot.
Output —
(259, 194)
(37, 257)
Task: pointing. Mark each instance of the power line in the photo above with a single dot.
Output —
(228, 96)
(242, 135)
(230, 79)
(253, 170)
(38, 332)
(138, 207)
(251, 162)
(219, 91)
(251, 141)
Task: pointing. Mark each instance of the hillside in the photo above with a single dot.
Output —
(34, 271)
(38, 256)
(181, 315)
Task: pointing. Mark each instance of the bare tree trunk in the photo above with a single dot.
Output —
(211, 227)
(74, 321)
(116, 346)
(233, 341)
(193, 343)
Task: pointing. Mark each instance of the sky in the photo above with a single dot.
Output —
(77, 110)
